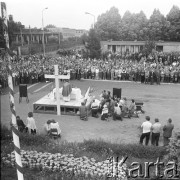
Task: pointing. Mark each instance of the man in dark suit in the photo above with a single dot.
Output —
(167, 131)
(78, 73)
(151, 75)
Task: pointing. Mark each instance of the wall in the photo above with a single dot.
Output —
(170, 48)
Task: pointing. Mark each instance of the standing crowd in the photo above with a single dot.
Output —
(31, 69)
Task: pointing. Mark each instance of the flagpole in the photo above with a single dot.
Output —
(21, 36)
(30, 39)
(15, 131)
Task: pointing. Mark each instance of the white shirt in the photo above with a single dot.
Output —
(104, 110)
(121, 102)
(117, 110)
(31, 123)
(95, 105)
(146, 126)
(55, 126)
(97, 71)
(156, 127)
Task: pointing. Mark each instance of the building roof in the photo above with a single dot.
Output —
(122, 42)
(159, 43)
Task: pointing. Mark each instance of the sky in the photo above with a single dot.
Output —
(71, 13)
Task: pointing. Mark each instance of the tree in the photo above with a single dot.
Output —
(134, 26)
(157, 26)
(84, 39)
(141, 21)
(50, 26)
(148, 47)
(174, 19)
(126, 33)
(2, 40)
(93, 44)
(13, 27)
(108, 25)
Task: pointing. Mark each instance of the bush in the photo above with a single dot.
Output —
(134, 150)
(173, 150)
(33, 140)
(6, 134)
(97, 147)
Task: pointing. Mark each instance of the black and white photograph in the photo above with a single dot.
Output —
(90, 90)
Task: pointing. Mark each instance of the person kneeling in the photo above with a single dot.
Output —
(104, 115)
(54, 129)
(117, 113)
(94, 109)
(83, 112)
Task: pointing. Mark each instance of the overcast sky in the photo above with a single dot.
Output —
(71, 13)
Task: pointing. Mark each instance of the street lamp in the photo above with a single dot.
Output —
(43, 31)
(91, 15)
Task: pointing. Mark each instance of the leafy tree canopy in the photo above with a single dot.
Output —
(108, 24)
(50, 26)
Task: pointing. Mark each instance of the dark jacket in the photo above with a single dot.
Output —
(167, 130)
(83, 111)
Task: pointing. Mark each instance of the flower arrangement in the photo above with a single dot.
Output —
(65, 163)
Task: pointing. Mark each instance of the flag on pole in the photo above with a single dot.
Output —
(87, 93)
(15, 131)
(5, 23)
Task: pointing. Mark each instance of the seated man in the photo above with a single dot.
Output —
(83, 112)
(94, 109)
(20, 124)
(104, 115)
(117, 113)
(55, 126)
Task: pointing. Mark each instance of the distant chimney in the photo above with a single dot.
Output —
(10, 17)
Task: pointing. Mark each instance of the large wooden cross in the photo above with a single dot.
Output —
(56, 76)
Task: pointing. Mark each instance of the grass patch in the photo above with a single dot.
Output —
(97, 149)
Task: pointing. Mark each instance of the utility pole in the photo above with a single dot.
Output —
(43, 31)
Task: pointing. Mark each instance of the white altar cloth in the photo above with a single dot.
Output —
(75, 94)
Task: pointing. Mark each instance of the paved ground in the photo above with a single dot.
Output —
(159, 101)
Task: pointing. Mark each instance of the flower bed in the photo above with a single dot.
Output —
(68, 163)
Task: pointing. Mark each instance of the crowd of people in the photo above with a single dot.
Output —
(110, 106)
(163, 68)
(51, 127)
(31, 69)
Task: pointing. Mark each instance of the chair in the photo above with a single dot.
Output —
(139, 105)
(54, 133)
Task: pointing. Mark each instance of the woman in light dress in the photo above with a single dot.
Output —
(31, 125)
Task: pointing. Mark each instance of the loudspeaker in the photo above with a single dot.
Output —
(117, 92)
(139, 105)
(23, 90)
